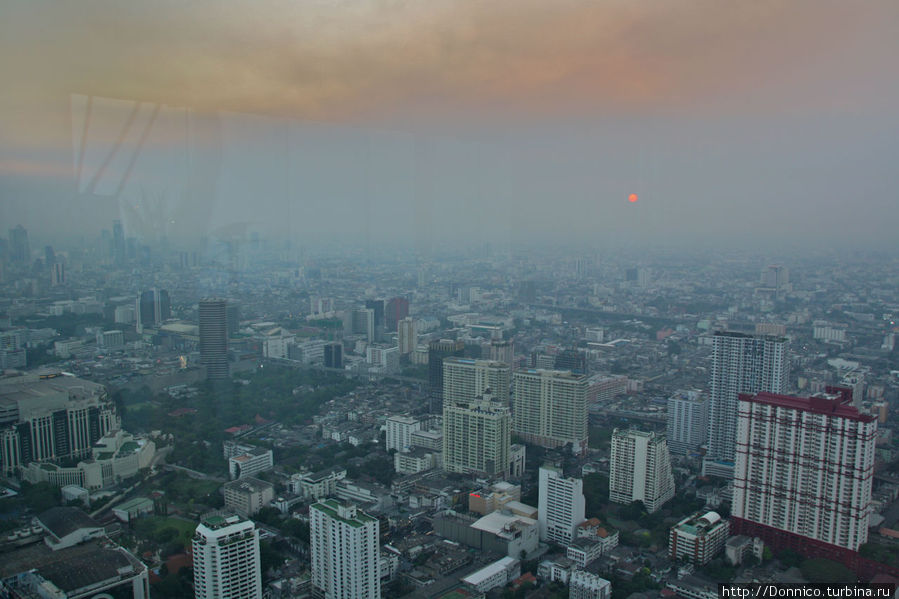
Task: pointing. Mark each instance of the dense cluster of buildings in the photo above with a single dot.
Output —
(779, 410)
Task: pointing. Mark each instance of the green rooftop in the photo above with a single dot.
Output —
(332, 508)
(128, 447)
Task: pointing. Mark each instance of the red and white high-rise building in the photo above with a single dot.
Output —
(804, 470)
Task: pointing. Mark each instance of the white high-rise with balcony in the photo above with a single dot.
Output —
(399, 432)
(345, 557)
(640, 469)
(550, 408)
(465, 379)
(561, 505)
(226, 558)
(804, 466)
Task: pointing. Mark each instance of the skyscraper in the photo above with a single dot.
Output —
(233, 317)
(407, 336)
(477, 436)
(397, 310)
(740, 364)
(804, 472)
(688, 421)
(465, 379)
(19, 250)
(377, 308)
(214, 337)
(226, 558)
(550, 408)
(502, 351)
(560, 507)
(57, 274)
(333, 355)
(152, 309)
(640, 469)
(437, 351)
(363, 322)
(571, 359)
(345, 557)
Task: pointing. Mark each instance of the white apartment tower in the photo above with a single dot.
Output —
(688, 420)
(640, 469)
(465, 379)
(740, 364)
(805, 467)
(345, 557)
(477, 436)
(399, 432)
(561, 506)
(226, 558)
(550, 408)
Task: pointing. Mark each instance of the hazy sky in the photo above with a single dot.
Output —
(507, 120)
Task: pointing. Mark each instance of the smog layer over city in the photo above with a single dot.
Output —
(511, 299)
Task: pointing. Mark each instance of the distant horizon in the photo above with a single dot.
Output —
(764, 125)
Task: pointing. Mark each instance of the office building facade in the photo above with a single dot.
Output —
(214, 337)
(50, 417)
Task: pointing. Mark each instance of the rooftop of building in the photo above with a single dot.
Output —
(698, 524)
(497, 522)
(74, 567)
(46, 384)
(335, 509)
(490, 570)
(63, 521)
(321, 475)
(217, 520)
(134, 503)
(549, 372)
(248, 484)
(748, 336)
(836, 402)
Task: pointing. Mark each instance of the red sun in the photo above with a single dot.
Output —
(632, 198)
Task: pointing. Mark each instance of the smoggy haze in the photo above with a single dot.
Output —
(514, 119)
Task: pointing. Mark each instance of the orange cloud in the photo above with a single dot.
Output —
(364, 59)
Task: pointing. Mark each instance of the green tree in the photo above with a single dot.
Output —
(825, 570)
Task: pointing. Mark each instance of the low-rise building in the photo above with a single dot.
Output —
(133, 508)
(248, 495)
(414, 461)
(584, 585)
(317, 485)
(253, 462)
(698, 538)
(584, 550)
(494, 575)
